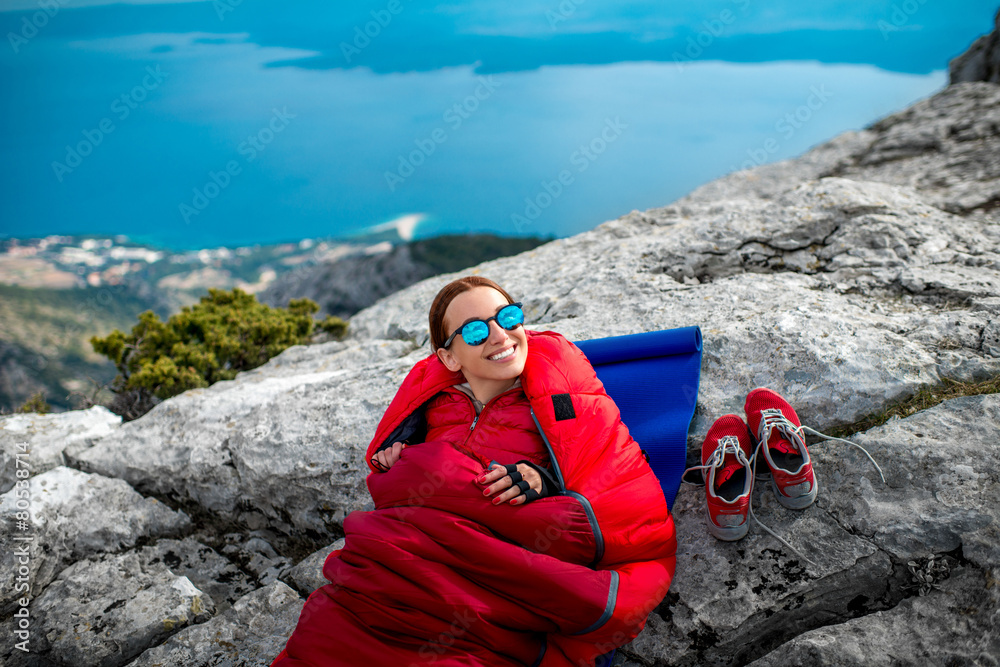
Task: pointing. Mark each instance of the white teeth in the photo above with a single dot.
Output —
(503, 355)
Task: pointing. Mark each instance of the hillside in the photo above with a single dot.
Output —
(60, 291)
(45, 341)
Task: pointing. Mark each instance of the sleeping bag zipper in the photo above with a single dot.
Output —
(488, 403)
(472, 427)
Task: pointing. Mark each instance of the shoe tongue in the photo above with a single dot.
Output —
(729, 468)
(782, 445)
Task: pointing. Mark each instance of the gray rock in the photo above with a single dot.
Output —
(770, 180)
(216, 576)
(945, 146)
(956, 625)
(321, 358)
(307, 576)
(251, 634)
(830, 322)
(281, 452)
(730, 601)
(864, 285)
(74, 515)
(256, 555)
(941, 464)
(18, 650)
(107, 610)
(981, 62)
(41, 439)
(863, 233)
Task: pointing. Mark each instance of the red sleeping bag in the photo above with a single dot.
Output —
(437, 574)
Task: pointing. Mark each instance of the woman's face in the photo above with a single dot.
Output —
(480, 364)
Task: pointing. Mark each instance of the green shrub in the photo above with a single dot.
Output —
(227, 332)
(334, 326)
(36, 403)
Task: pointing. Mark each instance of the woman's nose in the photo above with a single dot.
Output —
(497, 333)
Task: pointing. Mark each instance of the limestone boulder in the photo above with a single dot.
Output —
(38, 441)
(981, 62)
(945, 146)
(307, 575)
(953, 625)
(845, 295)
(250, 634)
(942, 466)
(215, 575)
(279, 447)
(73, 515)
(842, 295)
(104, 611)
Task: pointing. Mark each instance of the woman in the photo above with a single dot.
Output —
(516, 522)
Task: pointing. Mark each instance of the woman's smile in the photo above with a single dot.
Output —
(504, 354)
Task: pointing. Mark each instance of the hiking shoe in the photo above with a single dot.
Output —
(725, 458)
(777, 432)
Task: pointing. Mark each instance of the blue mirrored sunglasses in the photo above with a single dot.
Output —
(477, 331)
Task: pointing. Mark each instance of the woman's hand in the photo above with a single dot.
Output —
(384, 459)
(499, 480)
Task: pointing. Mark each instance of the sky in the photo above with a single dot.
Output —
(229, 122)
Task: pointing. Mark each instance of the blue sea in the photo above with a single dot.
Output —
(233, 122)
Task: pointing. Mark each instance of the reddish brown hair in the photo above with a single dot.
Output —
(444, 299)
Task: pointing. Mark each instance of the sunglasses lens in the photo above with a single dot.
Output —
(510, 316)
(475, 333)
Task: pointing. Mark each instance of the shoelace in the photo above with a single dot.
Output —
(772, 420)
(728, 444)
(753, 463)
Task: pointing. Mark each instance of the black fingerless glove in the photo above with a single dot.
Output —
(549, 485)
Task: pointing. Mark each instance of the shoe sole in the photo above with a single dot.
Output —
(798, 502)
(726, 534)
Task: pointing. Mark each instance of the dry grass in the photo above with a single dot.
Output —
(927, 397)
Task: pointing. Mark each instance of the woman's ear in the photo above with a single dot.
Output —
(449, 360)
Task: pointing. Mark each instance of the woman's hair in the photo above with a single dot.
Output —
(444, 299)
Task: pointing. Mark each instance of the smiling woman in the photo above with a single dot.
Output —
(492, 361)
(516, 522)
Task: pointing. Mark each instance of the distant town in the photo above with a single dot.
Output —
(67, 262)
